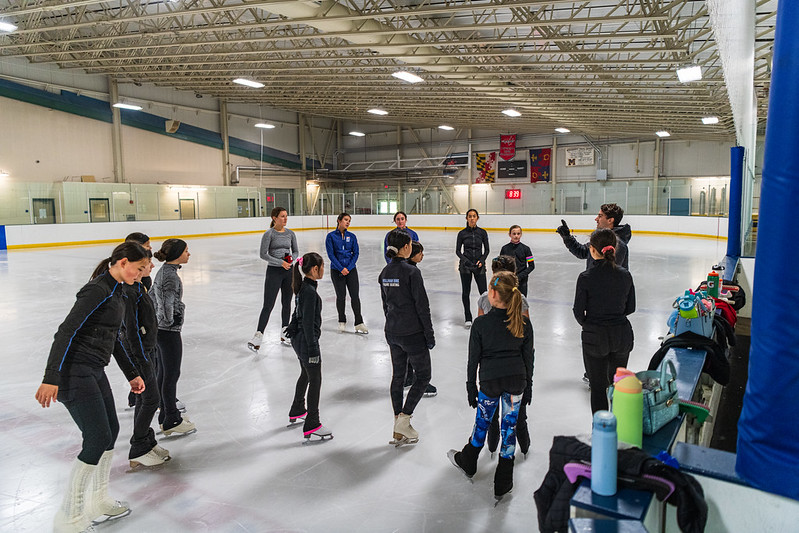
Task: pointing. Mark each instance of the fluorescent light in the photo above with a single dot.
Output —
(4, 174)
(563, 130)
(689, 73)
(511, 113)
(663, 133)
(128, 106)
(710, 120)
(358, 133)
(377, 111)
(445, 127)
(410, 77)
(248, 83)
(7, 26)
(264, 125)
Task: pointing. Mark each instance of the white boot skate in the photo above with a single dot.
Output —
(255, 343)
(163, 452)
(361, 328)
(284, 338)
(150, 458)
(342, 327)
(71, 517)
(317, 435)
(403, 431)
(294, 420)
(103, 507)
(184, 428)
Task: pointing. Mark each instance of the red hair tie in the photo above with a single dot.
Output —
(606, 248)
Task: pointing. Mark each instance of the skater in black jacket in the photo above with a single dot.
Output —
(471, 248)
(409, 332)
(305, 341)
(609, 217)
(417, 254)
(501, 347)
(75, 376)
(522, 254)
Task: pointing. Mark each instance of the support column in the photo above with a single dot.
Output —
(655, 176)
(301, 139)
(553, 173)
(469, 175)
(225, 142)
(116, 131)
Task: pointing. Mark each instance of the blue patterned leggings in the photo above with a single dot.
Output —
(485, 412)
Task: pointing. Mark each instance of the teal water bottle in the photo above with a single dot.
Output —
(603, 454)
(628, 406)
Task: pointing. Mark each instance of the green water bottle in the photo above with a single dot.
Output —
(628, 406)
(713, 284)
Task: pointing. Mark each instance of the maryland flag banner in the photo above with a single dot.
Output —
(507, 147)
(540, 161)
(486, 167)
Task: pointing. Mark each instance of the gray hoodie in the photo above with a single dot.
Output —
(168, 294)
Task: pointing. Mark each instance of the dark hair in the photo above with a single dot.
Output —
(342, 215)
(275, 213)
(309, 260)
(506, 285)
(475, 212)
(612, 211)
(132, 251)
(513, 228)
(416, 248)
(170, 250)
(396, 239)
(138, 237)
(400, 213)
(503, 263)
(605, 239)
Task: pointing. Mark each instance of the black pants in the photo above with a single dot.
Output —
(466, 288)
(523, 290)
(86, 394)
(310, 382)
(170, 356)
(342, 284)
(605, 348)
(143, 439)
(277, 279)
(413, 349)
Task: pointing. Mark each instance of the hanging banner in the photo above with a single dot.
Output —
(507, 146)
(540, 161)
(580, 156)
(486, 167)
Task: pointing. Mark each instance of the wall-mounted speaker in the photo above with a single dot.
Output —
(171, 126)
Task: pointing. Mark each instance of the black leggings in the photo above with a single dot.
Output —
(605, 348)
(342, 284)
(466, 288)
(277, 279)
(143, 439)
(86, 394)
(310, 381)
(170, 355)
(413, 349)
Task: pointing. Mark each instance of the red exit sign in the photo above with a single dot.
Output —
(513, 194)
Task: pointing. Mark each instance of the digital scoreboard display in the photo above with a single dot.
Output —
(513, 194)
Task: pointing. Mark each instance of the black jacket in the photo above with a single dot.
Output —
(524, 259)
(581, 251)
(309, 312)
(88, 333)
(496, 351)
(604, 296)
(472, 247)
(405, 302)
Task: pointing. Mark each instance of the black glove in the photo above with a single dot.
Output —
(563, 230)
(527, 397)
(471, 393)
(431, 345)
(177, 320)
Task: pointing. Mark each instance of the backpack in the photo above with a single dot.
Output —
(693, 312)
(293, 328)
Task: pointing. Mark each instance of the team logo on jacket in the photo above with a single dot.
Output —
(390, 282)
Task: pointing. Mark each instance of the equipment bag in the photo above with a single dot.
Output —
(693, 312)
(661, 404)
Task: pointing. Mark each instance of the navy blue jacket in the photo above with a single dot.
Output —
(405, 302)
(342, 250)
(406, 229)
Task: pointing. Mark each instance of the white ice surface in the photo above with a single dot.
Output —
(244, 471)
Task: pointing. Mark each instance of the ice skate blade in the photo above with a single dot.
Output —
(285, 342)
(451, 456)
(104, 519)
(136, 465)
(503, 497)
(253, 347)
(316, 439)
(402, 441)
(294, 422)
(169, 433)
(430, 394)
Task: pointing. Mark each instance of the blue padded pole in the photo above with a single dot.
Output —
(736, 201)
(768, 430)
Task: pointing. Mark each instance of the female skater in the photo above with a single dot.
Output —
(417, 254)
(522, 254)
(170, 311)
(306, 345)
(278, 247)
(409, 332)
(75, 376)
(501, 346)
(342, 250)
(400, 219)
(604, 297)
(472, 249)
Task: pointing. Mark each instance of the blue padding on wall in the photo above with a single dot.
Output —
(736, 201)
(3, 243)
(768, 432)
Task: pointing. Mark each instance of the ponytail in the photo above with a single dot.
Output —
(396, 240)
(131, 251)
(604, 242)
(303, 265)
(505, 284)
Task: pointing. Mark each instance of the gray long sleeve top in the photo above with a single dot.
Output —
(276, 244)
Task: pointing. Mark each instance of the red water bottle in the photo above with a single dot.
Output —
(287, 258)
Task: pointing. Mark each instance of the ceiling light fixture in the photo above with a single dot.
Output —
(445, 127)
(131, 107)
(264, 125)
(377, 111)
(358, 133)
(563, 130)
(511, 113)
(710, 120)
(410, 77)
(689, 73)
(663, 133)
(4, 174)
(7, 27)
(248, 83)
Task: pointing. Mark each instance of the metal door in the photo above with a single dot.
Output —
(43, 210)
(246, 207)
(187, 211)
(99, 210)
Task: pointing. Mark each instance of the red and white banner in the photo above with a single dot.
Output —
(507, 146)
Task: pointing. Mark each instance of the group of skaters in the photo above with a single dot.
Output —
(121, 313)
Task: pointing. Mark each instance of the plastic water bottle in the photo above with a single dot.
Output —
(713, 284)
(603, 454)
(628, 406)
